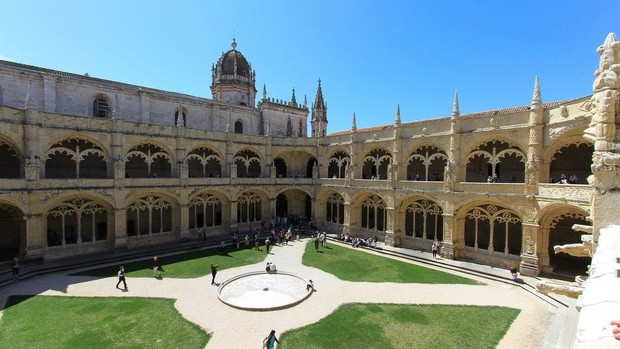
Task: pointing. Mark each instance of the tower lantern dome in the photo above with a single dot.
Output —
(233, 78)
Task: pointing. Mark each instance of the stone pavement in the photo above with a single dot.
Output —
(543, 322)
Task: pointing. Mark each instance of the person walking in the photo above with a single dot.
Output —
(267, 243)
(213, 273)
(121, 278)
(271, 340)
(156, 271)
(15, 268)
(316, 241)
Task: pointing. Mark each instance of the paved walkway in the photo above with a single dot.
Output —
(539, 325)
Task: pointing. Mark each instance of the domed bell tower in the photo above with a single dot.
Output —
(233, 79)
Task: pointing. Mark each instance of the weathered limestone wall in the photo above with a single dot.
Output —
(600, 301)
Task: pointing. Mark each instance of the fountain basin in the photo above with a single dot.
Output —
(263, 291)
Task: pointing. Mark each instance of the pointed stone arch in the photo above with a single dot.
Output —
(150, 215)
(76, 157)
(426, 163)
(148, 160)
(493, 228)
(375, 164)
(78, 221)
(484, 161)
(248, 163)
(338, 163)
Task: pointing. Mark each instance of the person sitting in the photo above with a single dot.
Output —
(272, 268)
(268, 267)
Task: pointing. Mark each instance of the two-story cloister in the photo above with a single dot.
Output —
(95, 166)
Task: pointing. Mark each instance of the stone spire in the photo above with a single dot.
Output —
(456, 112)
(293, 99)
(319, 114)
(536, 98)
(264, 92)
(305, 102)
(354, 124)
(397, 120)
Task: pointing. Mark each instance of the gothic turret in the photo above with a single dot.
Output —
(233, 79)
(319, 114)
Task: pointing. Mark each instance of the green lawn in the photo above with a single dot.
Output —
(84, 322)
(186, 265)
(404, 326)
(351, 264)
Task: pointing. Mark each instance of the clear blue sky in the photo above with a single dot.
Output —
(370, 55)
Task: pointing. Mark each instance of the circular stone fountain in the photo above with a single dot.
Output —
(262, 291)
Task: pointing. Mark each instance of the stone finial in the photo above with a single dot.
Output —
(30, 102)
(116, 110)
(234, 44)
(293, 99)
(305, 102)
(455, 105)
(354, 125)
(536, 98)
(264, 92)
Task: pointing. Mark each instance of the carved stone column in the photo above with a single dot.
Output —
(529, 256)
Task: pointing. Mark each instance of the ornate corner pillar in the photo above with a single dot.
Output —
(120, 229)
(346, 226)
(529, 265)
(448, 250)
(184, 220)
(36, 239)
(234, 223)
(393, 236)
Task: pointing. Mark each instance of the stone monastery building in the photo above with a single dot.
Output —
(97, 166)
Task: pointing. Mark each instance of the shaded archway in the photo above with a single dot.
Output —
(426, 164)
(338, 164)
(561, 233)
(573, 161)
(12, 232)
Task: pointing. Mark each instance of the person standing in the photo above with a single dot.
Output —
(316, 241)
(121, 277)
(271, 340)
(156, 272)
(213, 273)
(222, 247)
(267, 243)
(435, 248)
(15, 268)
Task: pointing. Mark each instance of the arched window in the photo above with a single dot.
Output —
(101, 108)
(205, 211)
(334, 209)
(238, 127)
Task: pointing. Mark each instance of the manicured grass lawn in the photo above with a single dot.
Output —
(186, 265)
(404, 326)
(84, 322)
(351, 264)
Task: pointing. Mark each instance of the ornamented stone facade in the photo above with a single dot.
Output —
(91, 165)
